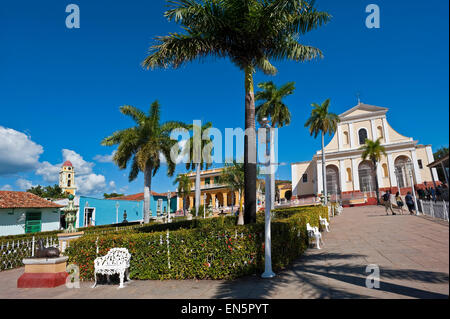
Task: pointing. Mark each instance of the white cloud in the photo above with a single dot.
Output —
(6, 187)
(80, 165)
(90, 184)
(18, 153)
(112, 185)
(49, 172)
(105, 158)
(24, 184)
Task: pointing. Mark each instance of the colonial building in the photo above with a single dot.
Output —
(219, 195)
(346, 172)
(22, 213)
(67, 178)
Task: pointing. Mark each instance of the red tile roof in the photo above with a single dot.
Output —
(67, 163)
(11, 199)
(140, 196)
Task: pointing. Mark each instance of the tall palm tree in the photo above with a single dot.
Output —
(143, 144)
(199, 156)
(184, 188)
(373, 150)
(322, 121)
(272, 106)
(250, 33)
(233, 176)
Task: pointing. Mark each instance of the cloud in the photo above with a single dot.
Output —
(49, 172)
(6, 187)
(18, 153)
(23, 184)
(105, 158)
(90, 184)
(112, 185)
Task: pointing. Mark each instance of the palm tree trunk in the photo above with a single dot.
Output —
(147, 193)
(197, 189)
(249, 150)
(324, 172)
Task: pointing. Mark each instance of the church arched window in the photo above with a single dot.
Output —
(362, 136)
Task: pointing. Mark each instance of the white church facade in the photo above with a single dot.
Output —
(346, 172)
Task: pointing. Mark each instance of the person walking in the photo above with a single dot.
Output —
(399, 201)
(410, 203)
(387, 202)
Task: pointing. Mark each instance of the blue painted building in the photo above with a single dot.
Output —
(96, 212)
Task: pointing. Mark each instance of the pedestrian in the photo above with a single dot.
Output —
(410, 203)
(433, 194)
(399, 201)
(387, 202)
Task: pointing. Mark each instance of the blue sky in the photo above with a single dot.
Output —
(61, 88)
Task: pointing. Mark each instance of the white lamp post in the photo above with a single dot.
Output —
(117, 213)
(168, 206)
(409, 167)
(268, 273)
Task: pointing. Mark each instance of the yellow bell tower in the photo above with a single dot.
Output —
(67, 178)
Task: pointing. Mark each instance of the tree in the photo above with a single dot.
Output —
(111, 195)
(324, 122)
(184, 188)
(199, 155)
(233, 176)
(250, 33)
(373, 150)
(439, 154)
(143, 145)
(273, 107)
(272, 104)
(53, 192)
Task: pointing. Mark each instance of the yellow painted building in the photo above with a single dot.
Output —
(219, 195)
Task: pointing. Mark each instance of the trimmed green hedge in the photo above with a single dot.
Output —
(213, 248)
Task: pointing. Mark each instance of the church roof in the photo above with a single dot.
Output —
(67, 163)
(364, 107)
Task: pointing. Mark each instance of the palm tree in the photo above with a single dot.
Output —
(199, 156)
(272, 103)
(272, 106)
(249, 33)
(322, 121)
(233, 176)
(373, 150)
(184, 188)
(143, 145)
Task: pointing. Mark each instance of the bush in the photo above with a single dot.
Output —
(213, 248)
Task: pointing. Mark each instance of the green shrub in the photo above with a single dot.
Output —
(213, 248)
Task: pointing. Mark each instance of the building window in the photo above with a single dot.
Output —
(362, 136)
(420, 164)
(385, 170)
(216, 180)
(346, 140)
(68, 183)
(207, 181)
(349, 174)
(305, 178)
(69, 175)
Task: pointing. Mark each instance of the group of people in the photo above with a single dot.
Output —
(430, 193)
(387, 198)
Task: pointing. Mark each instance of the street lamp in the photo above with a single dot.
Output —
(268, 273)
(168, 206)
(410, 167)
(117, 213)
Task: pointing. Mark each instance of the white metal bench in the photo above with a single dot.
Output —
(116, 261)
(313, 232)
(324, 222)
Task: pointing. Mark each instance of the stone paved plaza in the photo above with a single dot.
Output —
(412, 254)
